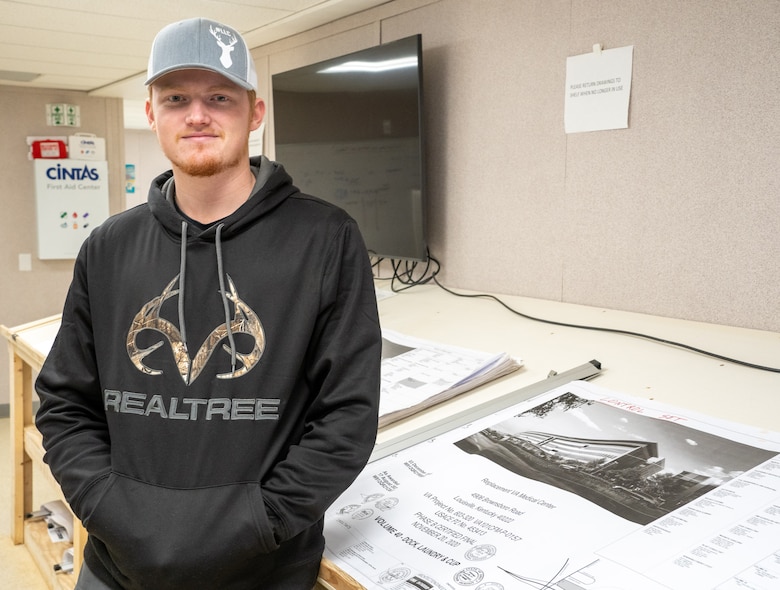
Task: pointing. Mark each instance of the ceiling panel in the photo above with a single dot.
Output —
(102, 46)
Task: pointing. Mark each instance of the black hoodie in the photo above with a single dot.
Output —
(212, 391)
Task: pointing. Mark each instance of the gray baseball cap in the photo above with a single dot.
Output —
(202, 44)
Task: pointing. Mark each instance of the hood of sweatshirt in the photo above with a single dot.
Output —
(273, 185)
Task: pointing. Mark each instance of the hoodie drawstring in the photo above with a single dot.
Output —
(218, 244)
(222, 291)
(182, 269)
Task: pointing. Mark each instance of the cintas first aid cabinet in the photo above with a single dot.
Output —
(71, 196)
(71, 199)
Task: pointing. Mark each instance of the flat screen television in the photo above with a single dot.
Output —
(349, 130)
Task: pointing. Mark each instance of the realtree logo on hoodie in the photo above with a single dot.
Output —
(245, 321)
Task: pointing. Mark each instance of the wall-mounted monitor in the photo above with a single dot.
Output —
(349, 130)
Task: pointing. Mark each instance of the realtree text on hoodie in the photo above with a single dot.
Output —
(212, 391)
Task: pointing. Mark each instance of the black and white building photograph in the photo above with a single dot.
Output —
(638, 467)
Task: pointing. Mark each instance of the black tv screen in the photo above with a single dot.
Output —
(349, 130)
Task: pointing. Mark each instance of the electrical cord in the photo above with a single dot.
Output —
(408, 274)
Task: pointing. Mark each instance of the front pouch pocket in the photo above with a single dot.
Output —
(160, 537)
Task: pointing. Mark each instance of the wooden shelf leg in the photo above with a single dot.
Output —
(21, 471)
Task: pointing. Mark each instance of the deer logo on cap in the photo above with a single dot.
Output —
(227, 48)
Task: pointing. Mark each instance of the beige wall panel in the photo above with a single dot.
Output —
(679, 214)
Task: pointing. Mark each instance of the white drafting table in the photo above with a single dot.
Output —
(630, 365)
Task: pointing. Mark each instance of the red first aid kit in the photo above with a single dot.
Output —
(49, 148)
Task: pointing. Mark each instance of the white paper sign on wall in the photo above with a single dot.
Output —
(598, 88)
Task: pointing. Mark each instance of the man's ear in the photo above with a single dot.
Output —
(257, 115)
(150, 115)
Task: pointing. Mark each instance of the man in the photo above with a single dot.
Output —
(214, 385)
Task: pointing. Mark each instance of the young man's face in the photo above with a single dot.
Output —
(202, 121)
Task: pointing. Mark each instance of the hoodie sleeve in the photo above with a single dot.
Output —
(71, 417)
(344, 371)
